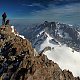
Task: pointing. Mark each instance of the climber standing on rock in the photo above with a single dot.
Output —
(4, 18)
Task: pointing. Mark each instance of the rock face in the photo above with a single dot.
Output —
(17, 61)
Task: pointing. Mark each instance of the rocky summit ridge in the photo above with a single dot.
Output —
(19, 61)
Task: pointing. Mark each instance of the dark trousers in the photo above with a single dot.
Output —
(3, 21)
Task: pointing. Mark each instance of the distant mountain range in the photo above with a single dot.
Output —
(64, 33)
(60, 42)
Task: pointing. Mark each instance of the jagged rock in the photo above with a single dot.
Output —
(45, 49)
(19, 62)
(35, 53)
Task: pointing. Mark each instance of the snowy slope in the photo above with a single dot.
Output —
(66, 57)
(13, 31)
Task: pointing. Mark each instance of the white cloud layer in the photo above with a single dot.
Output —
(66, 13)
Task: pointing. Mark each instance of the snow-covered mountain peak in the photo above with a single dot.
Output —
(60, 42)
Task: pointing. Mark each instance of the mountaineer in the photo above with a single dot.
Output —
(4, 18)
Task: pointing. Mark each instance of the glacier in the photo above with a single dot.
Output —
(66, 57)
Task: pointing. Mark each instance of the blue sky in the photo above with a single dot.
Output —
(26, 8)
(59, 10)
